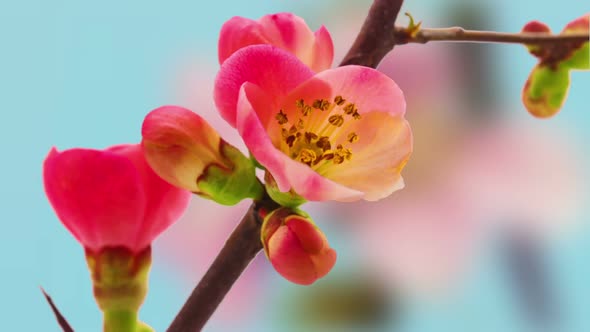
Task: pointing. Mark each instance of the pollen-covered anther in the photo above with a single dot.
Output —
(338, 100)
(350, 108)
(321, 104)
(300, 124)
(307, 156)
(299, 103)
(324, 143)
(310, 137)
(328, 155)
(336, 120)
(353, 137)
(342, 154)
(281, 117)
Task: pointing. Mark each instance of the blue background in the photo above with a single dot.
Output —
(81, 73)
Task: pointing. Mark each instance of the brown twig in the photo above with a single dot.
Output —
(375, 39)
(63, 323)
(239, 250)
(244, 242)
(457, 34)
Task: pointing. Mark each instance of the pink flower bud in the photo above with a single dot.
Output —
(186, 151)
(296, 247)
(283, 30)
(111, 197)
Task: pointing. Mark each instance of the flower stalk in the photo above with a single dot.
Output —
(120, 282)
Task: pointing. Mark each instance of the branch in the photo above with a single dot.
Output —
(63, 323)
(375, 39)
(244, 242)
(457, 34)
(239, 250)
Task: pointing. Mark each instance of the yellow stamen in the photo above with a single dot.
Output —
(281, 117)
(336, 120)
(349, 108)
(338, 100)
(324, 143)
(300, 124)
(307, 156)
(299, 103)
(309, 139)
(353, 137)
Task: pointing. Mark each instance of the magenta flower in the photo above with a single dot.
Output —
(283, 30)
(336, 135)
(111, 197)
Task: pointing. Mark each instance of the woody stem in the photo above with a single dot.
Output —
(458, 34)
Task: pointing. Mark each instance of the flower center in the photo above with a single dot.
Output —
(311, 139)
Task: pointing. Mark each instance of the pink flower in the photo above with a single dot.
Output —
(111, 197)
(296, 247)
(283, 30)
(337, 135)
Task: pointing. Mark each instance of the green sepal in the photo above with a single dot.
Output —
(228, 186)
(289, 199)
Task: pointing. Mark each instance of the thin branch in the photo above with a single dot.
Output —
(375, 39)
(239, 250)
(457, 34)
(63, 323)
(371, 45)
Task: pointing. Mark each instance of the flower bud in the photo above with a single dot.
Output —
(296, 247)
(187, 152)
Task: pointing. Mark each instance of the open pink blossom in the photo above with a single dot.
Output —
(284, 30)
(109, 198)
(337, 135)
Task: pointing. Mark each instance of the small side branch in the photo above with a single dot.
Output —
(457, 34)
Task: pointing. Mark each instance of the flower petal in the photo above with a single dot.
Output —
(323, 50)
(385, 138)
(299, 251)
(288, 174)
(274, 70)
(236, 33)
(383, 148)
(164, 202)
(80, 183)
(369, 89)
(284, 30)
(287, 257)
(179, 144)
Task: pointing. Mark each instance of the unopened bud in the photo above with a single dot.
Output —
(296, 247)
(187, 152)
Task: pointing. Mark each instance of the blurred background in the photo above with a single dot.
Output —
(490, 234)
